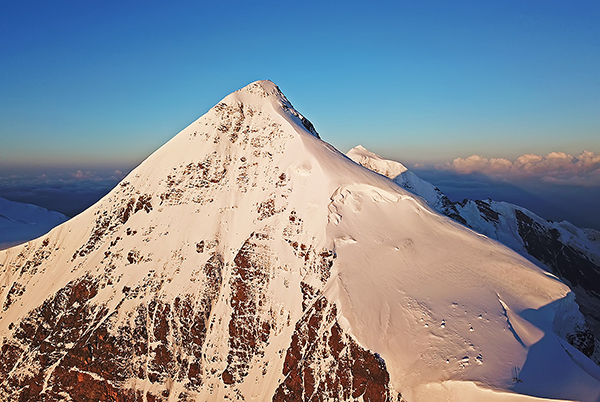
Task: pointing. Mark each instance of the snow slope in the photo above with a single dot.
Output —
(246, 259)
(22, 222)
(571, 253)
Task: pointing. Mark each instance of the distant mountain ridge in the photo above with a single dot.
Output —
(23, 222)
(569, 252)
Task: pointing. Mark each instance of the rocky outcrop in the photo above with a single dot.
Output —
(324, 363)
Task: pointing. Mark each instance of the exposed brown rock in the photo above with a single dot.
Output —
(87, 354)
(107, 223)
(16, 290)
(266, 209)
(144, 203)
(351, 371)
(127, 210)
(248, 333)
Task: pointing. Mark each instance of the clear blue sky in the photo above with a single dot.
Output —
(107, 82)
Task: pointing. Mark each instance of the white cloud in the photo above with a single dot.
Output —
(92, 176)
(556, 167)
(80, 175)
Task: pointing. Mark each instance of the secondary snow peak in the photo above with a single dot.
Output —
(370, 160)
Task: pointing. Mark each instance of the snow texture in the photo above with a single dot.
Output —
(569, 252)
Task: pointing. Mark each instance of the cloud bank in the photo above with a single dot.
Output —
(556, 167)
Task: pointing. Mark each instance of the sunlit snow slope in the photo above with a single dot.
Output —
(569, 252)
(246, 259)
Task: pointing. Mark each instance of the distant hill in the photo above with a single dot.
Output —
(23, 222)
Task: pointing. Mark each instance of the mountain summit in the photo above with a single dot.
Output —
(247, 259)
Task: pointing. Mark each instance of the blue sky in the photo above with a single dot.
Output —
(102, 84)
(110, 81)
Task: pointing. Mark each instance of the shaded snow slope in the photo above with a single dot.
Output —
(22, 222)
(246, 259)
(571, 253)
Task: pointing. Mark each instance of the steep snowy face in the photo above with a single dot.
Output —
(23, 222)
(247, 259)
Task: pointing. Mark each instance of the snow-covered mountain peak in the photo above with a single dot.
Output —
(257, 93)
(261, 89)
(401, 176)
(370, 160)
(265, 92)
(246, 259)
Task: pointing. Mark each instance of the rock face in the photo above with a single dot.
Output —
(246, 259)
(569, 252)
